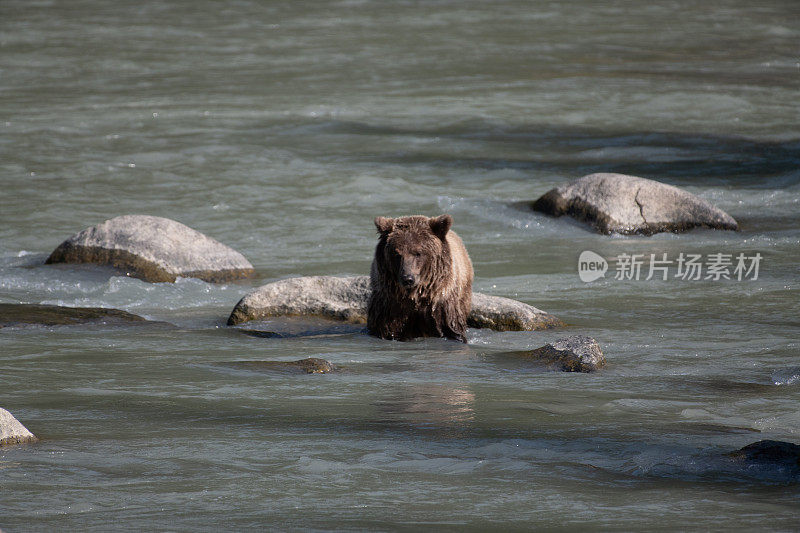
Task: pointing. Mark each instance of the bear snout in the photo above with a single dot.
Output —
(408, 280)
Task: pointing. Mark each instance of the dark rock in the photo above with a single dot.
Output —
(54, 315)
(770, 452)
(12, 431)
(345, 298)
(262, 334)
(311, 365)
(616, 203)
(571, 354)
(153, 249)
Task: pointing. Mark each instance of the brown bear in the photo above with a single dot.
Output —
(421, 280)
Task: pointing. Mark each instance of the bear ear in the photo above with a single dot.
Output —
(384, 225)
(441, 225)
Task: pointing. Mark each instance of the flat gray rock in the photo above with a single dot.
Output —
(12, 431)
(345, 298)
(577, 353)
(616, 203)
(153, 249)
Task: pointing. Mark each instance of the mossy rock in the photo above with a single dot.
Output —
(310, 365)
(55, 315)
(577, 353)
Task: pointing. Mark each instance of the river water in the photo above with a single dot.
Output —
(281, 129)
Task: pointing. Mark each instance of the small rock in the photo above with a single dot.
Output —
(54, 315)
(577, 353)
(616, 203)
(310, 365)
(773, 452)
(345, 298)
(12, 431)
(153, 249)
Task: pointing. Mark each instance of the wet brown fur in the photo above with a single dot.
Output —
(440, 301)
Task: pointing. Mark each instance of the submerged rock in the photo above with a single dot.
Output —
(296, 327)
(345, 298)
(54, 315)
(616, 203)
(153, 249)
(770, 452)
(12, 431)
(310, 365)
(577, 353)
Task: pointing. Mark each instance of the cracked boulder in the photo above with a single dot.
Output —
(153, 249)
(12, 431)
(346, 298)
(616, 203)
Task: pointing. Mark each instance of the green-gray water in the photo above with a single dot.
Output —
(282, 129)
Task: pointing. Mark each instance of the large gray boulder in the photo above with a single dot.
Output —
(336, 298)
(153, 249)
(12, 431)
(345, 298)
(616, 203)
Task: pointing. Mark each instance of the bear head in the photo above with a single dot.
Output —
(413, 251)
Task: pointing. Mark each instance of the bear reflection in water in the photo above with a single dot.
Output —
(421, 280)
(430, 405)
